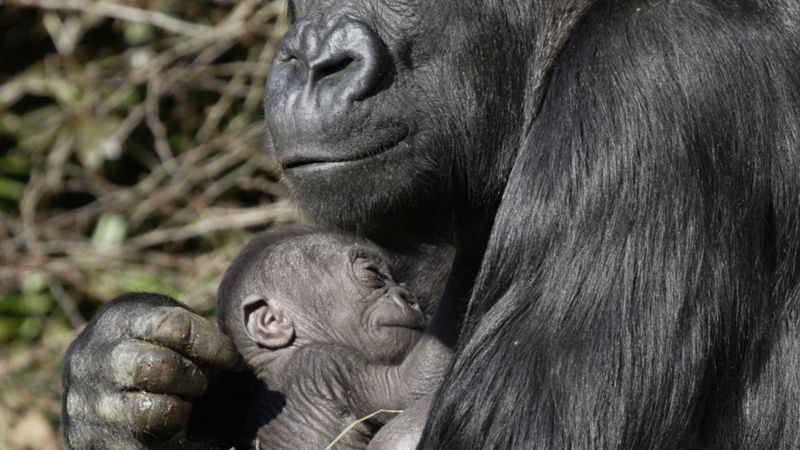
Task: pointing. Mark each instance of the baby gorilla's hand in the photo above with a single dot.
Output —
(131, 375)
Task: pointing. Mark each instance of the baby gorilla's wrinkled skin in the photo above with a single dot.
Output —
(320, 320)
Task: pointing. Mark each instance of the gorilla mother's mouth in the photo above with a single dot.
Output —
(338, 156)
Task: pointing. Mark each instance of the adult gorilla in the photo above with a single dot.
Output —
(625, 173)
(639, 286)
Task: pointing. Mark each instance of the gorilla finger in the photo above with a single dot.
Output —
(154, 414)
(151, 368)
(188, 334)
(160, 413)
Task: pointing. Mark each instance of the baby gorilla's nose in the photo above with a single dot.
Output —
(402, 298)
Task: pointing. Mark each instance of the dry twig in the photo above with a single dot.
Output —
(115, 11)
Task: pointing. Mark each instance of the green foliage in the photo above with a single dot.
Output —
(131, 159)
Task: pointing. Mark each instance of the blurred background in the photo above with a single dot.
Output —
(131, 159)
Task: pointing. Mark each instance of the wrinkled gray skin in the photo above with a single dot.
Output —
(320, 320)
(134, 385)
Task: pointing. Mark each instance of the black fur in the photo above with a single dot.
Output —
(632, 169)
(640, 286)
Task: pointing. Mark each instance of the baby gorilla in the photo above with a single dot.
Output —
(319, 319)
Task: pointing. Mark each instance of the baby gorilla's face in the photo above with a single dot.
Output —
(323, 289)
(363, 307)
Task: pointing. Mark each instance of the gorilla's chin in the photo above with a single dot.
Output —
(394, 192)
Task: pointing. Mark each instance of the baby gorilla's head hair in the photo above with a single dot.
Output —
(246, 273)
(291, 287)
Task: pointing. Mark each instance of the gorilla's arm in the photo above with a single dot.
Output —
(393, 387)
(130, 378)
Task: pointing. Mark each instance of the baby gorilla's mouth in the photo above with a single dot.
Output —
(398, 309)
(401, 317)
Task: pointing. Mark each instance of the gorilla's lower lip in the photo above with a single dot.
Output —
(308, 163)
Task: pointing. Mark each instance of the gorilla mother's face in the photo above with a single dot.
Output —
(378, 109)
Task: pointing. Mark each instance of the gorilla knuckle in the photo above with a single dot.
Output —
(119, 362)
(148, 367)
(168, 373)
(175, 328)
(188, 334)
(160, 413)
(154, 369)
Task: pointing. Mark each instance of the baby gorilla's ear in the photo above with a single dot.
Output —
(265, 325)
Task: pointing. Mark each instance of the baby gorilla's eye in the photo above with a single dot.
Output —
(370, 274)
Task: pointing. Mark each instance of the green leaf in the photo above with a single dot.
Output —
(34, 282)
(12, 304)
(38, 304)
(109, 234)
(8, 328)
(113, 283)
(30, 328)
(11, 189)
(14, 165)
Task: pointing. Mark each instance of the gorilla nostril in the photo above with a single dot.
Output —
(285, 56)
(332, 66)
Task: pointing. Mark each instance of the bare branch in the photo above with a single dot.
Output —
(116, 11)
(153, 118)
(278, 212)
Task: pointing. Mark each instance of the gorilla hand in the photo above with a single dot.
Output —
(131, 375)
